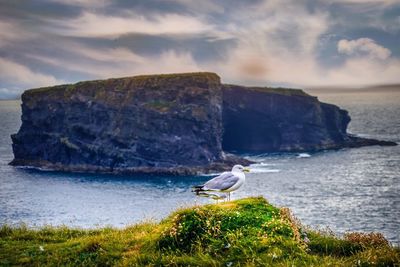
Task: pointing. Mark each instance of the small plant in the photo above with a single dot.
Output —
(367, 239)
(160, 105)
(238, 230)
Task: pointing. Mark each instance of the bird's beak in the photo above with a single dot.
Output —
(246, 170)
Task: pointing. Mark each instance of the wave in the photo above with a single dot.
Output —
(28, 167)
(209, 174)
(303, 155)
(262, 168)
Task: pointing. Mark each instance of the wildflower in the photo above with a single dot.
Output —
(41, 248)
(228, 245)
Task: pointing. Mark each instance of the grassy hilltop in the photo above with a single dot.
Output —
(246, 232)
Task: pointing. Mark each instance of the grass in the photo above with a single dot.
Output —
(246, 232)
(274, 90)
(139, 78)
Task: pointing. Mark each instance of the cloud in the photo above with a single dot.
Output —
(201, 6)
(364, 71)
(83, 3)
(352, 16)
(170, 62)
(120, 62)
(273, 46)
(11, 32)
(277, 48)
(384, 2)
(100, 25)
(115, 54)
(260, 42)
(22, 77)
(363, 46)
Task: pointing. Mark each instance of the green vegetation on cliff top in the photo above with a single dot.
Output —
(140, 79)
(246, 232)
(146, 80)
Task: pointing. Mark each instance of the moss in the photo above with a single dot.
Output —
(273, 90)
(246, 232)
(280, 90)
(121, 84)
(65, 141)
(125, 81)
(160, 105)
(47, 89)
(209, 75)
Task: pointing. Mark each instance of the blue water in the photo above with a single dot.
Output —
(347, 190)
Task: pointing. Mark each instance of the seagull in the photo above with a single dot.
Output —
(226, 182)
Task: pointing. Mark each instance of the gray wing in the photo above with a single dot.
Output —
(222, 182)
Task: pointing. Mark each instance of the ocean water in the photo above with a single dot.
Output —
(346, 190)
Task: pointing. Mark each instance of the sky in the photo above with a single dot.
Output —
(294, 43)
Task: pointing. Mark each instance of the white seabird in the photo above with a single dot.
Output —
(226, 182)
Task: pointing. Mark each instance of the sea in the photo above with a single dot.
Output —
(352, 189)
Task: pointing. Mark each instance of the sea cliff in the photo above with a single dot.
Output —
(174, 124)
(262, 119)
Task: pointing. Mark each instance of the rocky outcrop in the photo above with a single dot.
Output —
(259, 120)
(138, 124)
(177, 124)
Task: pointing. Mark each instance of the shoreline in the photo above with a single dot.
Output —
(181, 170)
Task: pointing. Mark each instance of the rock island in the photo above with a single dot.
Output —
(180, 124)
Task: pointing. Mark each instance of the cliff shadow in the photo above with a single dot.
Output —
(246, 131)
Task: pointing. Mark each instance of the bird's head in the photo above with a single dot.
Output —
(240, 168)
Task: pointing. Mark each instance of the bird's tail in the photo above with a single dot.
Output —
(197, 189)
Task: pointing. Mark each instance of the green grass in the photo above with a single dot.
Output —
(246, 232)
(138, 79)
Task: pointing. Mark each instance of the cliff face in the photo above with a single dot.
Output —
(145, 121)
(176, 124)
(270, 120)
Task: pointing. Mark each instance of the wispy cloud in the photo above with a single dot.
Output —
(23, 77)
(114, 54)
(276, 47)
(363, 46)
(101, 25)
(364, 71)
(384, 2)
(11, 32)
(119, 65)
(83, 3)
(207, 6)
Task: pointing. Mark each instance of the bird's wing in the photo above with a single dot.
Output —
(222, 182)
